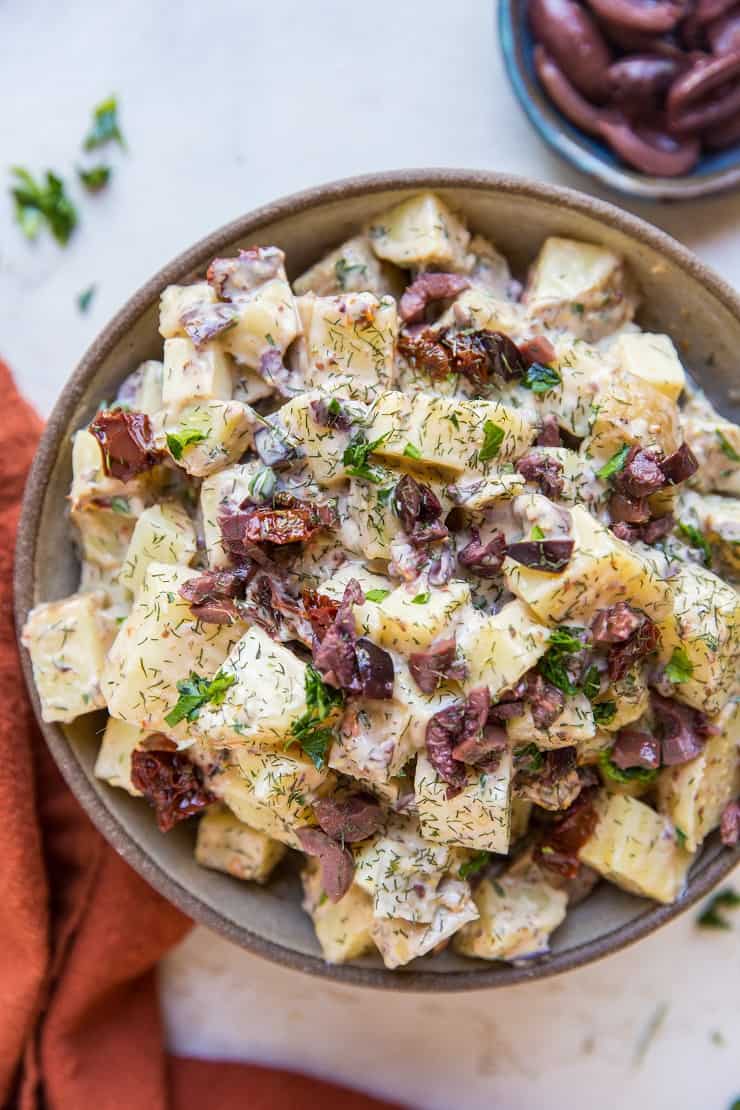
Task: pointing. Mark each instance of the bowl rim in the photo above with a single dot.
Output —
(478, 977)
(567, 139)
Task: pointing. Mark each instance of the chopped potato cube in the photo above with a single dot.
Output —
(485, 310)
(402, 871)
(409, 618)
(632, 410)
(574, 725)
(499, 649)
(113, 763)
(267, 319)
(477, 817)
(349, 344)
(176, 300)
(694, 794)
(421, 232)
(344, 928)
(422, 707)
(224, 490)
(718, 518)
(373, 745)
(163, 534)
(517, 916)
(67, 643)
(636, 848)
(322, 446)
(654, 359)
(191, 374)
(716, 443)
(226, 844)
(211, 435)
(400, 941)
(351, 268)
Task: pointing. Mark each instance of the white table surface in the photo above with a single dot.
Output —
(227, 104)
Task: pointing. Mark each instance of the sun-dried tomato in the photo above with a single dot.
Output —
(564, 839)
(280, 526)
(126, 441)
(171, 784)
(320, 610)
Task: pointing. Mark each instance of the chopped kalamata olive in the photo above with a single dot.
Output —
(623, 656)
(539, 349)
(563, 840)
(628, 509)
(684, 730)
(214, 584)
(680, 465)
(430, 666)
(546, 701)
(636, 748)
(337, 863)
(331, 414)
(426, 289)
(276, 373)
(216, 611)
(415, 502)
(349, 819)
(478, 749)
(543, 469)
(546, 555)
(206, 321)
(641, 474)
(549, 433)
(657, 529)
(334, 656)
(126, 442)
(616, 624)
(273, 448)
(443, 732)
(483, 558)
(376, 669)
(729, 829)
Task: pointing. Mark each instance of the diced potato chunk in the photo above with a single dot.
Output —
(581, 287)
(211, 435)
(574, 725)
(402, 871)
(448, 432)
(373, 745)
(158, 645)
(716, 443)
(517, 916)
(705, 625)
(400, 941)
(485, 310)
(349, 344)
(601, 571)
(408, 620)
(719, 519)
(336, 584)
(267, 697)
(67, 643)
(422, 707)
(344, 928)
(176, 300)
(113, 763)
(226, 844)
(478, 817)
(191, 374)
(267, 318)
(368, 520)
(226, 489)
(421, 232)
(632, 410)
(105, 533)
(351, 268)
(636, 848)
(163, 534)
(694, 794)
(654, 359)
(499, 649)
(631, 697)
(322, 447)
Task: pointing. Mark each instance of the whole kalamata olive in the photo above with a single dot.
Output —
(570, 102)
(641, 15)
(724, 33)
(652, 152)
(705, 95)
(641, 80)
(573, 40)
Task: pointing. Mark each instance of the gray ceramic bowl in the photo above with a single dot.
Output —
(681, 296)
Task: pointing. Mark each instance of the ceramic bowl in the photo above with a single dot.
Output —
(680, 295)
(713, 173)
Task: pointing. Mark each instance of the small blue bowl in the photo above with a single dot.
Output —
(712, 174)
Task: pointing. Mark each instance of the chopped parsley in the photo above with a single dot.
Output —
(178, 441)
(591, 684)
(629, 775)
(681, 837)
(411, 452)
(420, 599)
(604, 712)
(84, 299)
(473, 865)
(493, 437)
(376, 595)
(120, 505)
(727, 447)
(384, 495)
(695, 538)
(342, 270)
(711, 917)
(679, 668)
(309, 731)
(195, 692)
(96, 178)
(529, 759)
(615, 463)
(536, 533)
(541, 379)
(553, 664)
(42, 202)
(355, 459)
(105, 127)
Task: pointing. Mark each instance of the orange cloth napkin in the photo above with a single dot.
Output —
(80, 932)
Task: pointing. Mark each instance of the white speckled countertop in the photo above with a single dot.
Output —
(225, 105)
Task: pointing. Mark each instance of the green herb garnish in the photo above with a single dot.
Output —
(536, 533)
(711, 917)
(529, 759)
(681, 837)
(604, 712)
(420, 599)
(553, 664)
(42, 202)
(591, 684)
(94, 179)
(105, 127)
(679, 668)
(411, 452)
(195, 692)
(727, 447)
(355, 459)
(309, 731)
(541, 379)
(342, 270)
(120, 505)
(178, 441)
(376, 595)
(473, 865)
(84, 299)
(695, 538)
(631, 774)
(615, 463)
(493, 437)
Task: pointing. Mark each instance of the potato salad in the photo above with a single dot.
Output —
(417, 570)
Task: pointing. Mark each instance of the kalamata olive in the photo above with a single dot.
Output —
(694, 102)
(641, 15)
(723, 135)
(724, 33)
(640, 80)
(709, 10)
(546, 555)
(572, 38)
(651, 152)
(567, 98)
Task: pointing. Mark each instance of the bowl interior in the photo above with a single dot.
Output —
(680, 297)
(714, 171)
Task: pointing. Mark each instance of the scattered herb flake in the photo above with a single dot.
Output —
(195, 692)
(650, 1033)
(591, 684)
(679, 668)
(493, 437)
(105, 127)
(94, 179)
(376, 595)
(553, 664)
(84, 299)
(420, 599)
(355, 459)
(411, 452)
(604, 712)
(46, 202)
(473, 865)
(695, 538)
(342, 270)
(120, 505)
(536, 533)
(615, 463)
(727, 447)
(178, 441)
(541, 379)
(681, 837)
